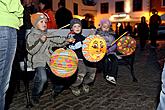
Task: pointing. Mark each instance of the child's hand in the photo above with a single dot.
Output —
(43, 38)
(71, 40)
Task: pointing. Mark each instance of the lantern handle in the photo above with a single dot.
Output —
(118, 38)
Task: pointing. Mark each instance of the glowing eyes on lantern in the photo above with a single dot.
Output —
(101, 44)
(96, 44)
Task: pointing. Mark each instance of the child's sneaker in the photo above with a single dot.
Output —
(111, 79)
(86, 88)
(75, 91)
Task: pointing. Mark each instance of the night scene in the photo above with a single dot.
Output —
(82, 54)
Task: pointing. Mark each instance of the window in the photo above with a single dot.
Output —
(137, 5)
(104, 8)
(89, 2)
(119, 6)
(75, 7)
(163, 3)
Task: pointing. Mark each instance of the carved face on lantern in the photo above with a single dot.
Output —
(94, 48)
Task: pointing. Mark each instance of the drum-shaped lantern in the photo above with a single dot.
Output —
(94, 48)
(126, 45)
(63, 63)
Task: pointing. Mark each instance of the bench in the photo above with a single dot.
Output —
(126, 60)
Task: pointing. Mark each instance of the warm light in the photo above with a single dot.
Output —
(111, 18)
(118, 24)
(119, 15)
(127, 7)
(79, 17)
(128, 17)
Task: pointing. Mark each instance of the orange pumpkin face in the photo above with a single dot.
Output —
(94, 48)
(63, 63)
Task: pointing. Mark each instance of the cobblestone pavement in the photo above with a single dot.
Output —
(127, 95)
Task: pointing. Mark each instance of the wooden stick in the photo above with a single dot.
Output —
(63, 27)
(118, 38)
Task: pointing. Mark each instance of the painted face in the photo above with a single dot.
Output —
(94, 48)
(42, 24)
(76, 28)
(105, 27)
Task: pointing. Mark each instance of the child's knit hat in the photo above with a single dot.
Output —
(35, 18)
(75, 21)
(104, 21)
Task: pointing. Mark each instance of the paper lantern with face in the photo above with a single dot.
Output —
(63, 63)
(126, 45)
(94, 48)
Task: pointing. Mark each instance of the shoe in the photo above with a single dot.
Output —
(118, 57)
(111, 79)
(86, 88)
(75, 91)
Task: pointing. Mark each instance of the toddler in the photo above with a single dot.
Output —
(86, 70)
(109, 62)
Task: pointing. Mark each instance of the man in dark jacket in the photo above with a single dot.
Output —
(154, 23)
(63, 15)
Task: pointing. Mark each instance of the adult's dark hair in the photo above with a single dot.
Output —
(61, 3)
(154, 11)
(47, 4)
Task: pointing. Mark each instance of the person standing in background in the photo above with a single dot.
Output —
(45, 7)
(11, 14)
(85, 22)
(143, 32)
(63, 15)
(154, 23)
(129, 28)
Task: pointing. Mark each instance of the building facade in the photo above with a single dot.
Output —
(115, 10)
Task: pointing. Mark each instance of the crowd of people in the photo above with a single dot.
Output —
(26, 16)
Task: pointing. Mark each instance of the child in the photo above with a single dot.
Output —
(85, 73)
(109, 62)
(38, 45)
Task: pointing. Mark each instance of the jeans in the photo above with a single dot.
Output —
(8, 42)
(40, 79)
(161, 105)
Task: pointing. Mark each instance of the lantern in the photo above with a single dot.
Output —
(94, 48)
(63, 63)
(126, 45)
